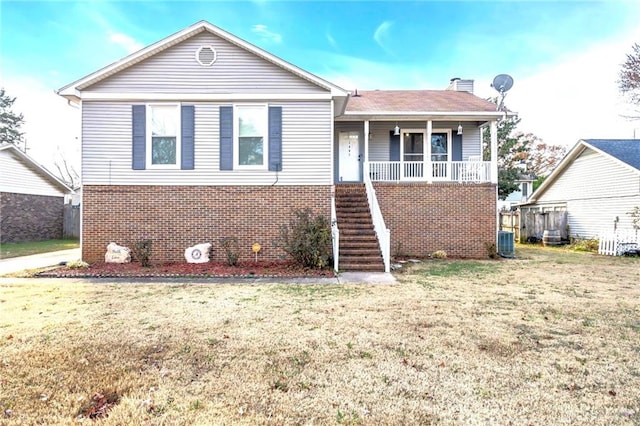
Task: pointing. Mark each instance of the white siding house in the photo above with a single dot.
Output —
(203, 135)
(31, 198)
(597, 183)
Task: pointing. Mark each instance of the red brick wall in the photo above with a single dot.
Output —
(27, 217)
(175, 217)
(423, 218)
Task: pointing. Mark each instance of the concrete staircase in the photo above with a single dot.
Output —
(359, 247)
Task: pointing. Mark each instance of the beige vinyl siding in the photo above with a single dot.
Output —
(19, 177)
(306, 148)
(596, 189)
(176, 70)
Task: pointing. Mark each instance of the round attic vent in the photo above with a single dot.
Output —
(206, 56)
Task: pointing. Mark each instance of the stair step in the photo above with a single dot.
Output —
(372, 267)
(354, 223)
(355, 252)
(358, 235)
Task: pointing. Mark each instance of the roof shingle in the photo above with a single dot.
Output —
(625, 150)
(417, 101)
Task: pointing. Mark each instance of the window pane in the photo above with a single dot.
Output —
(163, 150)
(250, 151)
(252, 121)
(164, 120)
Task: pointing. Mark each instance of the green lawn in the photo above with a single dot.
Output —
(8, 250)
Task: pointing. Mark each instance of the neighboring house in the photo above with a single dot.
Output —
(525, 189)
(31, 198)
(597, 184)
(202, 136)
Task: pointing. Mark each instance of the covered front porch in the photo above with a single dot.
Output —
(410, 150)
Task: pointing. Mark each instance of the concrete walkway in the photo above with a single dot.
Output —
(42, 260)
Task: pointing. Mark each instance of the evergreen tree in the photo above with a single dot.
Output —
(10, 122)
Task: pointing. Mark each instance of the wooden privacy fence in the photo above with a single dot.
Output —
(529, 226)
(618, 243)
(71, 221)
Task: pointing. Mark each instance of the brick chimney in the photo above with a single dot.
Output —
(461, 85)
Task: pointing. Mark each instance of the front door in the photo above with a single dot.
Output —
(413, 154)
(349, 156)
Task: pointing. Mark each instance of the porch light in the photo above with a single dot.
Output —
(396, 130)
(459, 128)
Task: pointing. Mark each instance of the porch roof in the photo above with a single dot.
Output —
(415, 103)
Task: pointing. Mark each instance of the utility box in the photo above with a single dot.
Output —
(506, 245)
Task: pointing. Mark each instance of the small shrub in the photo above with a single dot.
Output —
(439, 254)
(307, 239)
(231, 249)
(588, 245)
(141, 250)
(77, 264)
(491, 250)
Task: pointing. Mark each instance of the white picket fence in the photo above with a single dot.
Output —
(618, 243)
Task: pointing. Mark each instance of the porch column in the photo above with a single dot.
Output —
(494, 152)
(366, 141)
(428, 168)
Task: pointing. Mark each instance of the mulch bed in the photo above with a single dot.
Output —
(194, 270)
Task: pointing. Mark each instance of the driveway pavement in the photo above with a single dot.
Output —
(42, 260)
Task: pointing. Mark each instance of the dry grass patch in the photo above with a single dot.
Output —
(549, 338)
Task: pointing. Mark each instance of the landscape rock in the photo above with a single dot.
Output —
(117, 254)
(198, 253)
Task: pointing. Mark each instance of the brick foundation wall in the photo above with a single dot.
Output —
(175, 217)
(423, 218)
(26, 217)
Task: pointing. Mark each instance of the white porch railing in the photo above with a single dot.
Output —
(383, 233)
(447, 171)
(335, 232)
(618, 243)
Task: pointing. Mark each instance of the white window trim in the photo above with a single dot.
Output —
(236, 138)
(148, 136)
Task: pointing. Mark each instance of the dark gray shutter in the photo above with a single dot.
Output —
(456, 151)
(394, 146)
(275, 139)
(187, 133)
(226, 138)
(139, 125)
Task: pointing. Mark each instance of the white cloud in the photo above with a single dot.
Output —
(575, 98)
(125, 41)
(331, 40)
(52, 127)
(381, 36)
(265, 34)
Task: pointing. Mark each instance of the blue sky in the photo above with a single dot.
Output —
(564, 56)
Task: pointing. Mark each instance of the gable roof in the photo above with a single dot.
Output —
(413, 103)
(72, 91)
(624, 151)
(37, 168)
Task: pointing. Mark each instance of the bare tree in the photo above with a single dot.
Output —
(629, 77)
(66, 171)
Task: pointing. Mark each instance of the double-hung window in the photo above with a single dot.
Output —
(250, 143)
(163, 135)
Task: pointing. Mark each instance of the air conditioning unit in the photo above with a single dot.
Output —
(506, 245)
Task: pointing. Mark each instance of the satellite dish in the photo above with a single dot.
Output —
(502, 83)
